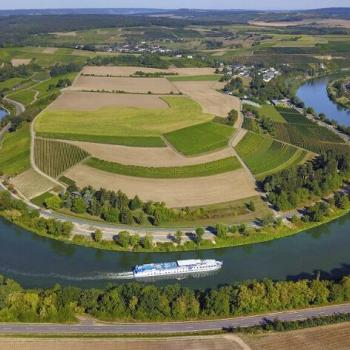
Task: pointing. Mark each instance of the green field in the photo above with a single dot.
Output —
(114, 125)
(206, 169)
(10, 83)
(269, 111)
(209, 77)
(265, 156)
(40, 200)
(15, 151)
(200, 138)
(25, 97)
(54, 157)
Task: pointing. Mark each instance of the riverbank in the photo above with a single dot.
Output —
(249, 236)
(338, 93)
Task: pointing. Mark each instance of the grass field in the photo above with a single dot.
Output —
(15, 151)
(54, 157)
(269, 111)
(126, 126)
(40, 200)
(265, 156)
(206, 169)
(200, 138)
(209, 77)
(25, 96)
(10, 83)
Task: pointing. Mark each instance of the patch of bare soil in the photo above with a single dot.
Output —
(151, 157)
(191, 192)
(50, 50)
(130, 70)
(125, 84)
(92, 101)
(176, 343)
(212, 101)
(31, 184)
(16, 62)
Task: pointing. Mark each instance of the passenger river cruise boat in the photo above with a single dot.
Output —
(180, 267)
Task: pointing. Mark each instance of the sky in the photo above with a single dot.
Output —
(199, 4)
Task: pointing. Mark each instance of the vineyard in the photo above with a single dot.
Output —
(313, 138)
(292, 116)
(265, 156)
(54, 157)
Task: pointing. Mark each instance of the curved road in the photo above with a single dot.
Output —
(92, 327)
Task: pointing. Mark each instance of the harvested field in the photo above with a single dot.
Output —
(31, 184)
(319, 22)
(65, 33)
(174, 192)
(50, 50)
(143, 156)
(333, 337)
(125, 84)
(194, 343)
(127, 71)
(204, 93)
(16, 62)
(92, 101)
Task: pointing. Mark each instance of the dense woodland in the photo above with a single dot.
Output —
(144, 302)
(294, 187)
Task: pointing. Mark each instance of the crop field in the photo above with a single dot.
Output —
(25, 96)
(171, 343)
(200, 138)
(15, 151)
(117, 125)
(269, 111)
(144, 156)
(210, 77)
(92, 101)
(265, 156)
(206, 169)
(194, 191)
(124, 84)
(125, 71)
(212, 101)
(319, 338)
(16, 62)
(31, 184)
(292, 116)
(313, 137)
(54, 157)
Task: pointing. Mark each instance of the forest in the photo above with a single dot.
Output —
(145, 302)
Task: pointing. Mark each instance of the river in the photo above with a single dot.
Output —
(3, 113)
(35, 261)
(314, 94)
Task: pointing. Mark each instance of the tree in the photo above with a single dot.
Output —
(178, 237)
(124, 239)
(251, 206)
(78, 205)
(53, 202)
(135, 240)
(199, 235)
(135, 203)
(221, 230)
(97, 235)
(147, 241)
(111, 215)
(126, 217)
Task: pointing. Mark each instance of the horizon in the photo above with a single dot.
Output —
(268, 5)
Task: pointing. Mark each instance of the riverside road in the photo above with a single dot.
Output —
(95, 327)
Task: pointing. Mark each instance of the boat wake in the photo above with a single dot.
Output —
(91, 277)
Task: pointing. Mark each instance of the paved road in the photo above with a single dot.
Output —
(91, 327)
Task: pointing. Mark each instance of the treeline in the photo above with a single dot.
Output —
(60, 69)
(134, 301)
(294, 187)
(111, 206)
(17, 212)
(283, 326)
